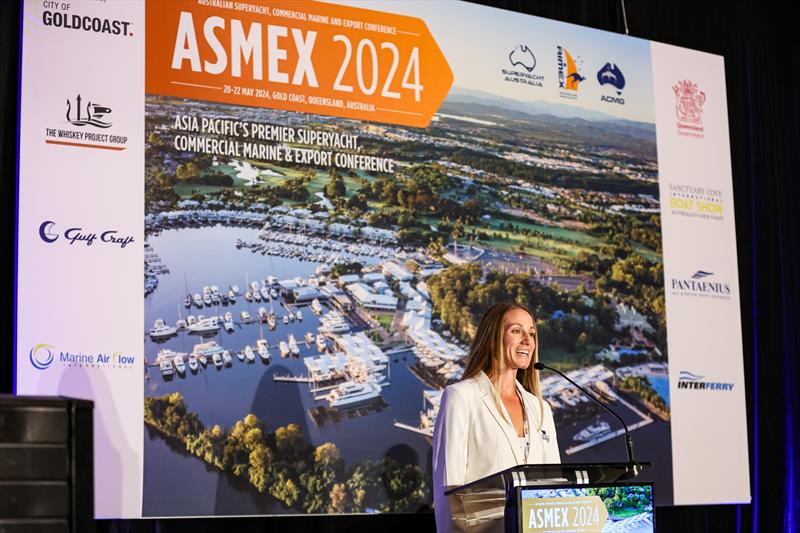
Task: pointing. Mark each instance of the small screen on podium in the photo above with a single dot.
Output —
(589, 509)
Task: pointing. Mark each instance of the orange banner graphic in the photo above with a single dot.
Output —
(303, 56)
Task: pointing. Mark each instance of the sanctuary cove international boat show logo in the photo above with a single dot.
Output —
(691, 381)
(569, 73)
(689, 101)
(696, 202)
(701, 284)
(523, 62)
(87, 125)
(78, 235)
(42, 356)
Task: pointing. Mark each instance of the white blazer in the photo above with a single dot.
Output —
(472, 440)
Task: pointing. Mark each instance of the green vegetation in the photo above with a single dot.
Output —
(641, 386)
(623, 502)
(283, 464)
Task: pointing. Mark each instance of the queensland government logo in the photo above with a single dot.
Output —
(701, 284)
(692, 381)
(77, 235)
(42, 357)
(523, 61)
(569, 76)
(611, 75)
(689, 101)
(696, 202)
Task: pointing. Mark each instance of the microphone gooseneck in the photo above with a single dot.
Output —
(628, 439)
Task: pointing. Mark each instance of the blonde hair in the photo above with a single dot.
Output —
(487, 355)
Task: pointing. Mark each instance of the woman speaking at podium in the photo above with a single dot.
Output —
(495, 417)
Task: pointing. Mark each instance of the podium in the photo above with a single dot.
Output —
(554, 497)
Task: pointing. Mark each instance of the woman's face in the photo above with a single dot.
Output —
(519, 339)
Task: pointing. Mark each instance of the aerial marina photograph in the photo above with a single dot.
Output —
(304, 319)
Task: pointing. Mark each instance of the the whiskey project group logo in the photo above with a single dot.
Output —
(522, 65)
(43, 356)
(696, 202)
(691, 381)
(689, 101)
(86, 125)
(701, 284)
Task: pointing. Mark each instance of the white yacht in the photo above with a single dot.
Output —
(235, 289)
(273, 293)
(271, 322)
(298, 315)
(309, 337)
(180, 324)
(321, 344)
(232, 296)
(262, 314)
(180, 366)
(248, 354)
(193, 363)
(351, 394)
(226, 358)
(228, 324)
(592, 431)
(316, 307)
(205, 325)
(334, 322)
(262, 345)
(246, 318)
(264, 294)
(255, 287)
(191, 319)
(217, 358)
(284, 348)
(271, 280)
(198, 300)
(293, 345)
(248, 296)
(161, 330)
(240, 355)
(166, 368)
(285, 319)
(208, 350)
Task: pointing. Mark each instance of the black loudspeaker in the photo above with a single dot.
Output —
(46, 465)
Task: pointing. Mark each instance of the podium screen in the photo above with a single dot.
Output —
(593, 508)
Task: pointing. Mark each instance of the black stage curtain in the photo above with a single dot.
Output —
(762, 58)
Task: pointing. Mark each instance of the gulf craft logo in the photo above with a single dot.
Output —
(77, 235)
(523, 63)
(42, 357)
(692, 381)
(701, 284)
(689, 101)
(569, 75)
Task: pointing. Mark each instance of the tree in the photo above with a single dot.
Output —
(335, 187)
(338, 498)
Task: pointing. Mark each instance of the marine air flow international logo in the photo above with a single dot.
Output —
(611, 75)
(84, 116)
(42, 356)
(689, 101)
(691, 381)
(701, 284)
(696, 202)
(523, 63)
(569, 73)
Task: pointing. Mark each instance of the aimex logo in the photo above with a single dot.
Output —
(41, 356)
(92, 116)
(611, 74)
(701, 284)
(692, 381)
(569, 76)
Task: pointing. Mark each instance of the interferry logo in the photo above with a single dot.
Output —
(691, 381)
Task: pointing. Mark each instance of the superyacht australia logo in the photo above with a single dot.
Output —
(691, 381)
(569, 73)
(689, 101)
(49, 233)
(696, 202)
(60, 15)
(42, 356)
(611, 75)
(523, 64)
(701, 284)
(87, 125)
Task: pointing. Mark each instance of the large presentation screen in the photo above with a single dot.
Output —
(259, 235)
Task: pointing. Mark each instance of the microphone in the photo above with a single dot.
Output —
(632, 464)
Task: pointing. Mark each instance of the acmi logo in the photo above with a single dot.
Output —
(41, 357)
(689, 380)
